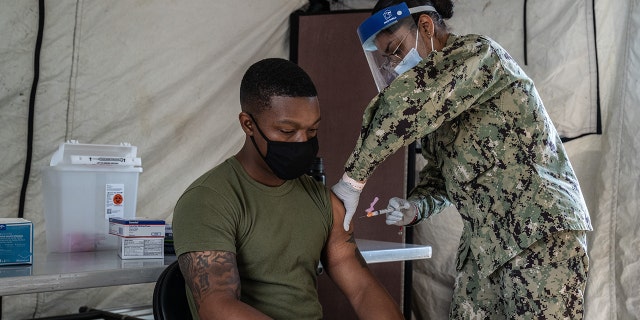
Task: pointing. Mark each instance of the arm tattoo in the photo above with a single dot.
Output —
(208, 272)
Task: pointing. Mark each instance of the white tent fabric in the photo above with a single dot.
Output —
(560, 52)
(164, 76)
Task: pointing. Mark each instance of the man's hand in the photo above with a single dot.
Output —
(404, 212)
(348, 191)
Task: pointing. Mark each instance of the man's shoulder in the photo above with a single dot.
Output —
(216, 175)
(218, 180)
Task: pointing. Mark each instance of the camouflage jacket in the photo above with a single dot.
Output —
(491, 149)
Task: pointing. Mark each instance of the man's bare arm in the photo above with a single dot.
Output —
(214, 281)
(348, 269)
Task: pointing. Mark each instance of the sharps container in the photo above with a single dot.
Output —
(84, 186)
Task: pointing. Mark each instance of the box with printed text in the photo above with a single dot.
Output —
(16, 241)
(137, 227)
(141, 248)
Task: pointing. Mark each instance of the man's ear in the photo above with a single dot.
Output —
(246, 123)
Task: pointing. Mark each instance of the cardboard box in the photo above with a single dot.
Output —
(141, 248)
(137, 227)
(16, 241)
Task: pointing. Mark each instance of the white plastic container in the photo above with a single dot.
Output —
(84, 186)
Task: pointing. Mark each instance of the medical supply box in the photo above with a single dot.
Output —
(16, 241)
(140, 248)
(138, 238)
(137, 227)
(84, 186)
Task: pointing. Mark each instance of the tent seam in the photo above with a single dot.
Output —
(617, 166)
(73, 76)
(624, 105)
(593, 64)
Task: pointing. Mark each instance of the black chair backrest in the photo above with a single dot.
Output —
(169, 296)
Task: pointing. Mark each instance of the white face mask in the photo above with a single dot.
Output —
(410, 60)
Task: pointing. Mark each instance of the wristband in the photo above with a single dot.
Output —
(415, 220)
(353, 183)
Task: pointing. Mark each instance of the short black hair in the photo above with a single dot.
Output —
(273, 77)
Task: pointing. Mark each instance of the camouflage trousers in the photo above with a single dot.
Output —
(545, 281)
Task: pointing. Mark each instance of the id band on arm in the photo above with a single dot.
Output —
(358, 185)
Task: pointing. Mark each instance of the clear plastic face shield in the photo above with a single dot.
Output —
(391, 42)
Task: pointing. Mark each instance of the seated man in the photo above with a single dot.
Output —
(250, 232)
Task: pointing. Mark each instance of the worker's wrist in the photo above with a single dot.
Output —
(417, 217)
(413, 221)
(358, 185)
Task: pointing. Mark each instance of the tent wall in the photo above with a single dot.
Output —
(616, 287)
(164, 76)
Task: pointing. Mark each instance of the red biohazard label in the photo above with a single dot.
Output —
(117, 199)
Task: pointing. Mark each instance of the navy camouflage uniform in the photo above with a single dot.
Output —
(492, 152)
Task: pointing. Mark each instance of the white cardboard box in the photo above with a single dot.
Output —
(141, 248)
(137, 227)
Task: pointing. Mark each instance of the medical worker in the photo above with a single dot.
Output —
(491, 151)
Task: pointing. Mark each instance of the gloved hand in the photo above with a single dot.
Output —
(348, 190)
(404, 212)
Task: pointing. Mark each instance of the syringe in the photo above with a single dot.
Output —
(377, 212)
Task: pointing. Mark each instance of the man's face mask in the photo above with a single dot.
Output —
(288, 160)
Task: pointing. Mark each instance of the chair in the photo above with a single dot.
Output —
(169, 296)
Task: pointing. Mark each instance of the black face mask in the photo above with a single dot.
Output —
(288, 160)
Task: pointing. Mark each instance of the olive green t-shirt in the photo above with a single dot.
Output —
(277, 234)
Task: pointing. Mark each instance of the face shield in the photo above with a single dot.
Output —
(390, 40)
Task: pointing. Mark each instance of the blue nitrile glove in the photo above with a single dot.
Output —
(404, 212)
(348, 191)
